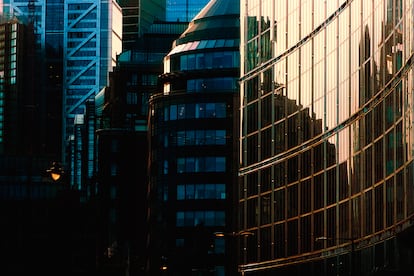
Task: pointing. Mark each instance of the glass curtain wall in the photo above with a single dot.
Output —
(326, 133)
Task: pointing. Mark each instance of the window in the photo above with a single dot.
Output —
(132, 98)
(213, 84)
(113, 192)
(201, 164)
(194, 218)
(200, 137)
(219, 246)
(115, 147)
(173, 112)
(114, 169)
(179, 243)
(201, 191)
(180, 219)
(199, 110)
(181, 111)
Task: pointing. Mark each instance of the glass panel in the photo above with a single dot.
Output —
(180, 192)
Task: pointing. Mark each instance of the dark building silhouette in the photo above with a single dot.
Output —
(122, 151)
(193, 150)
(41, 218)
(18, 90)
(44, 225)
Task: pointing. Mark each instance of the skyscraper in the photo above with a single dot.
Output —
(327, 137)
(93, 39)
(122, 146)
(48, 51)
(193, 133)
(78, 42)
(32, 204)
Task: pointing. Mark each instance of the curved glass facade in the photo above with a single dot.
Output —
(326, 135)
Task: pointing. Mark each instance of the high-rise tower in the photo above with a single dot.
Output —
(92, 40)
(79, 41)
(193, 133)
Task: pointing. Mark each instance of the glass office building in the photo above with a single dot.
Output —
(183, 10)
(48, 31)
(193, 135)
(79, 41)
(326, 172)
(92, 39)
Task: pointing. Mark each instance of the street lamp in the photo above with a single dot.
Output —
(352, 240)
(163, 266)
(56, 171)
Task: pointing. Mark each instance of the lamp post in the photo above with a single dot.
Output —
(163, 266)
(352, 240)
(56, 171)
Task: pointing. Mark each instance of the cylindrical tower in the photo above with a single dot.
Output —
(193, 146)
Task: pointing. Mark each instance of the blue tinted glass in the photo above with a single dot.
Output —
(221, 191)
(180, 219)
(210, 43)
(181, 111)
(210, 191)
(166, 113)
(165, 167)
(190, 111)
(210, 218)
(183, 62)
(220, 137)
(180, 138)
(189, 191)
(200, 110)
(183, 10)
(210, 110)
(173, 112)
(219, 247)
(190, 138)
(210, 164)
(191, 85)
(180, 165)
(210, 137)
(199, 218)
(179, 242)
(220, 218)
(202, 44)
(199, 192)
(191, 62)
(54, 18)
(221, 110)
(180, 192)
(219, 43)
(189, 218)
(221, 164)
(190, 164)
